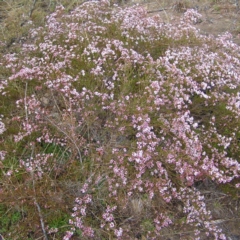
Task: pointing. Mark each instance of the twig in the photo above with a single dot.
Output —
(4, 36)
(36, 203)
(216, 193)
(69, 137)
(39, 211)
(25, 102)
(41, 219)
(32, 9)
(218, 221)
(8, 4)
(126, 220)
(237, 4)
(1, 237)
(158, 10)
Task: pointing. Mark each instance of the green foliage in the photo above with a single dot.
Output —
(148, 225)
(8, 218)
(59, 152)
(58, 220)
(230, 190)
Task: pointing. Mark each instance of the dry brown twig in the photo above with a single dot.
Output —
(159, 10)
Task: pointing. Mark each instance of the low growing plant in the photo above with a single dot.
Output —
(120, 117)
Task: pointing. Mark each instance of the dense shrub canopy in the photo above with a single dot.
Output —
(145, 110)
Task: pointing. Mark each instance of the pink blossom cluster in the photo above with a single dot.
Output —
(2, 126)
(78, 215)
(38, 165)
(2, 130)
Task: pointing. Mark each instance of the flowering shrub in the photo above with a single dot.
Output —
(146, 110)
